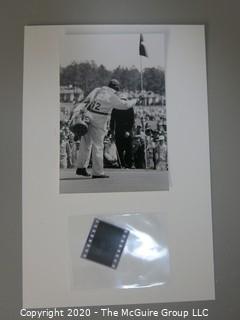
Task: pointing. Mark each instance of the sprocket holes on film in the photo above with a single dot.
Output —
(105, 243)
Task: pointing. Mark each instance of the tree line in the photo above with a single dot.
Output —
(88, 75)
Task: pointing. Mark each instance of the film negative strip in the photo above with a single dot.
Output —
(105, 243)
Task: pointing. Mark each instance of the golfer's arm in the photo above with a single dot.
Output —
(123, 104)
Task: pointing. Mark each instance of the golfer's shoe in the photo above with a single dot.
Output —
(82, 172)
(100, 176)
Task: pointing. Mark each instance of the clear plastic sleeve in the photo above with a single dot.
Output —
(143, 260)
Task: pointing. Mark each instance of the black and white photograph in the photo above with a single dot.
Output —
(113, 115)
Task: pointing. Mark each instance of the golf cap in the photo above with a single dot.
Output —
(114, 84)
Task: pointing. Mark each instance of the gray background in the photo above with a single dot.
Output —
(221, 18)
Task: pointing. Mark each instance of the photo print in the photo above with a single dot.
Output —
(113, 117)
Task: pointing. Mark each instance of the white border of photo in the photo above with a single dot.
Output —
(187, 204)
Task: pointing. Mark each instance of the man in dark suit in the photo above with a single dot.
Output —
(121, 125)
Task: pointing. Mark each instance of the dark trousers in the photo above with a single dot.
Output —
(124, 147)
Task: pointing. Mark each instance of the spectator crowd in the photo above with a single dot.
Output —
(147, 138)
